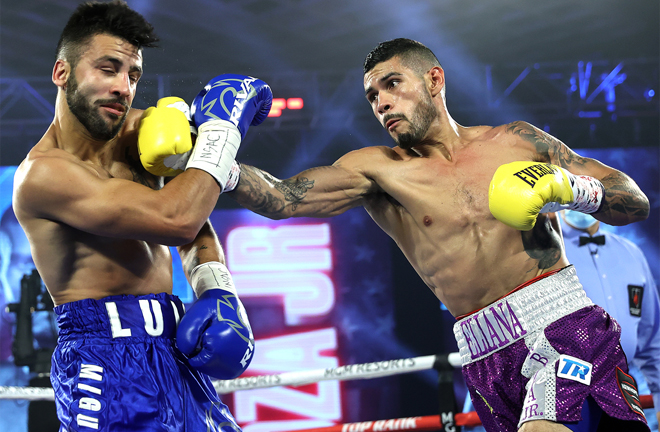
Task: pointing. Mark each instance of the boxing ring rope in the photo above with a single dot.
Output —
(341, 373)
(440, 362)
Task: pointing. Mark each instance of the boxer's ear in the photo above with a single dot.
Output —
(61, 72)
(436, 80)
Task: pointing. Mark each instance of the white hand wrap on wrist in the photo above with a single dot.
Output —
(215, 150)
(211, 275)
(588, 194)
(234, 177)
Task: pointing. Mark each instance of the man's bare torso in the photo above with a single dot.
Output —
(436, 210)
(75, 264)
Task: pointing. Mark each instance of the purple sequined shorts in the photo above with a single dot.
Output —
(539, 352)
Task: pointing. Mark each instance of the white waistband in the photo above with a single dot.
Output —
(519, 314)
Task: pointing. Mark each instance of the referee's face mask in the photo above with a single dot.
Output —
(579, 220)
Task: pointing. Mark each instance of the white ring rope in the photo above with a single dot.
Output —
(27, 393)
(341, 373)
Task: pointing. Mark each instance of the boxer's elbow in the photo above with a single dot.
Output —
(645, 208)
(624, 212)
(638, 210)
(181, 228)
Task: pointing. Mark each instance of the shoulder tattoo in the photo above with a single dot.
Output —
(548, 148)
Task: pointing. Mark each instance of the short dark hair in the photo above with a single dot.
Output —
(414, 54)
(114, 18)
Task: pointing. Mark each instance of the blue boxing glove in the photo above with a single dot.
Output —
(239, 99)
(215, 333)
(223, 111)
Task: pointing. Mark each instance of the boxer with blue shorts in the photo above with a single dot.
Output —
(116, 368)
(100, 220)
(547, 348)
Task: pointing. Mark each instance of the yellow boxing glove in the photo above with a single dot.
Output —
(519, 191)
(164, 140)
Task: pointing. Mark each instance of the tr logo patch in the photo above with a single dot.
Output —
(635, 294)
(574, 369)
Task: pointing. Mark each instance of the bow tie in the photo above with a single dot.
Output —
(599, 240)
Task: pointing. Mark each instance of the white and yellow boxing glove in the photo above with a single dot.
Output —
(164, 140)
(519, 191)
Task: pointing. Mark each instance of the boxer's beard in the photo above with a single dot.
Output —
(88, 115)
(420, 123)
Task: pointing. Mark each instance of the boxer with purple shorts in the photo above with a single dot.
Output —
(547, 347)
(473, 208)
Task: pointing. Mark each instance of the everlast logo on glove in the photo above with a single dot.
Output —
(552, 189)
(531, 174)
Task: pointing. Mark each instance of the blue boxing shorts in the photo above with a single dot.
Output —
(116, 368)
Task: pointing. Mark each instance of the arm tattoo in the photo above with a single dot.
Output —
(193, 261)
(263, 201)
(620, 198)
(294, 191)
